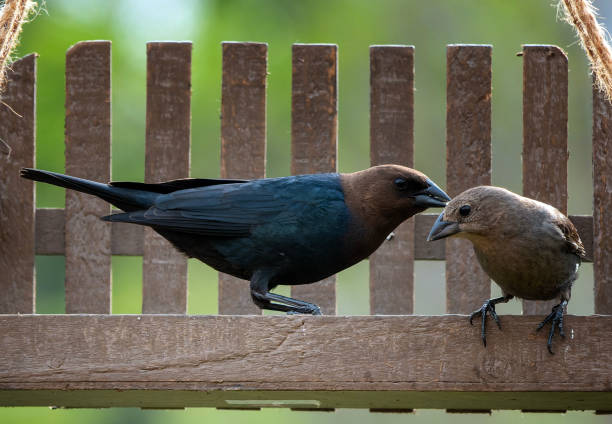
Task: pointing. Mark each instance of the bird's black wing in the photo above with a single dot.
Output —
(230, 210)
(174, 185)
(572, 239)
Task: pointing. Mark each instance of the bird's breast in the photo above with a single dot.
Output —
(528, 270)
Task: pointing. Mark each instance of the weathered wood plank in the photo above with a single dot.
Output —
(602, 203)
(314, 136)
(243, 142)
(468, 163)
(392, 141)
(88, 138)
(328, 361)
(17, 130)
(127, 239)
(168, 139)
(545, 151)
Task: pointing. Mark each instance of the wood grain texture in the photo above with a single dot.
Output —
(88, 138)
(17, 130)
(327, 361)
(602, 203)
(127, 239)
(314, 136)
(545, 151)
(243, 142)
(168, 139)
(468, 163)
(392, 141)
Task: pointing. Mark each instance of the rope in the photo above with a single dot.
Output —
(12, 15)
(581, 14)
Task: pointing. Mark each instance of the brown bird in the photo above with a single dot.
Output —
(530, 249)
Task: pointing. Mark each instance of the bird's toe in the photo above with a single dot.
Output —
(556, 320)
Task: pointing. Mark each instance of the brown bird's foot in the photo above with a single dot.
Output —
(556, 316)
(488, 306)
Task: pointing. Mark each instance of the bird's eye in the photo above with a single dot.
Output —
(401, 183)
(465, 210)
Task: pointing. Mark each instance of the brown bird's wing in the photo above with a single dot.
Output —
(572, 239)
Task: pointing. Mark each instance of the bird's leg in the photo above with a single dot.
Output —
(489, 306)
(262, 297)
(556, 316)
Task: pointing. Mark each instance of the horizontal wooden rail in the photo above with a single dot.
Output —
(127, 239)
(394, 362)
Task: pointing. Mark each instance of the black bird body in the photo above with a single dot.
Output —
(284, 226)
(288, 230)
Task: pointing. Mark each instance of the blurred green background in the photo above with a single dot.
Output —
(354, 26)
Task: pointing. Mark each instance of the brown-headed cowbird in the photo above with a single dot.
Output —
(530, 249)
(289, 230)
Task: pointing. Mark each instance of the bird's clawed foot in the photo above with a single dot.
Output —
(488, 307)
(556, 317)
(311, 310)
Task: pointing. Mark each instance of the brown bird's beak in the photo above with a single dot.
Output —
(431, 197)
(442, 229)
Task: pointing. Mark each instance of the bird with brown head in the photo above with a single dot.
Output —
(529, 248)
(273, 231)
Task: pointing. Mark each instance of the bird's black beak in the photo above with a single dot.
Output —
(431, 197)
(442, 229)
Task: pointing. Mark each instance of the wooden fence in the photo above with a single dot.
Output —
(388, 361)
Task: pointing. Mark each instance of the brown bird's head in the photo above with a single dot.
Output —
(494, 213)
(386, 195)
(478, 212)
(469, 214)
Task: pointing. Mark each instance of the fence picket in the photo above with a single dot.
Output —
(468, 164)
(314, 134)
(602, 202)
(17, 115)
(88, 138)
(392, 141)
(164, 277)
(545, 151)
(243, 142)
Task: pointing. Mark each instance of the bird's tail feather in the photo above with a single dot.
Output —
(123, 198)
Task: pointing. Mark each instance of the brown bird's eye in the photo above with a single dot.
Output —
(401, 183)
(465, 210)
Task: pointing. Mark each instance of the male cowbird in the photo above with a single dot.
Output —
(529, 248)
(289, 230)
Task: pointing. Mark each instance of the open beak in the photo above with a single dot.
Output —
(431, 197)
(442, 229)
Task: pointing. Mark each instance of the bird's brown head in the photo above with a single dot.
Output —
(472, 213)
(389, 194)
